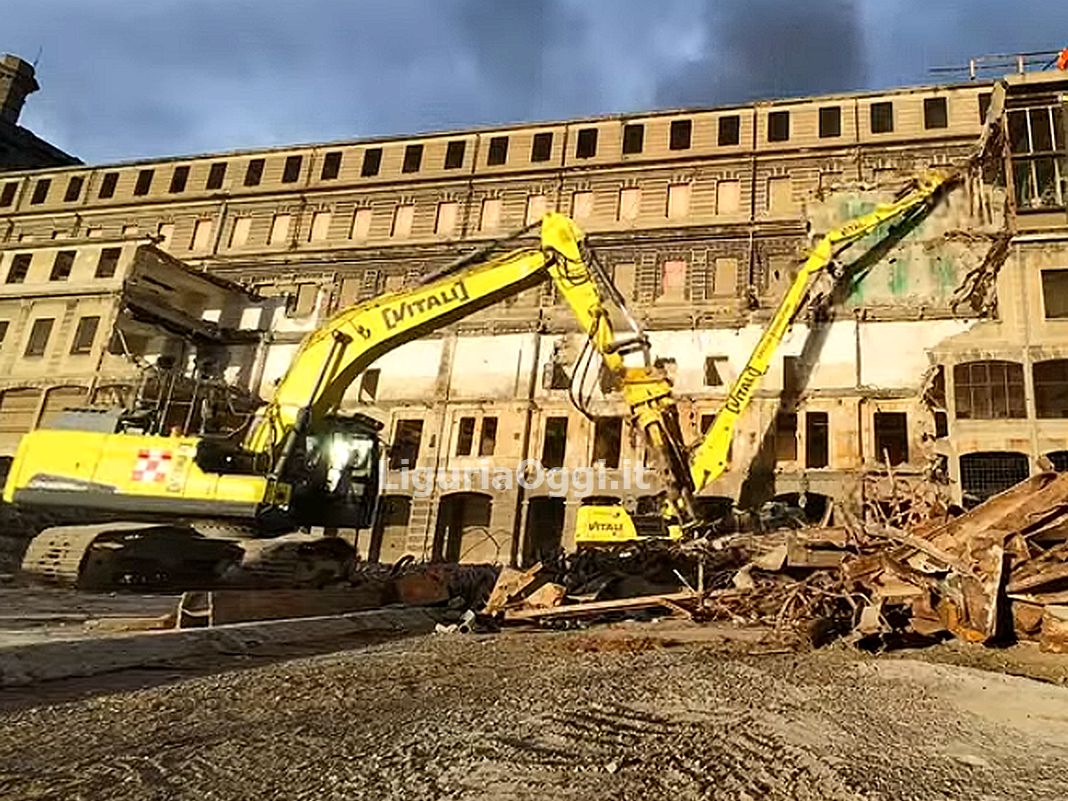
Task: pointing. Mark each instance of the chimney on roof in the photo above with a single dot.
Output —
(16, 83)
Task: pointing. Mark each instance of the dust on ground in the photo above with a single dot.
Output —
(640, 713)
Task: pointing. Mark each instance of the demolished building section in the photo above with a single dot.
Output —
(942, 361)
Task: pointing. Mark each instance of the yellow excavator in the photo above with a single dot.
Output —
(175, 502)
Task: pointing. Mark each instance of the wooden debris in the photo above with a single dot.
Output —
(510, 583)
(1054, 636)
(599, 608)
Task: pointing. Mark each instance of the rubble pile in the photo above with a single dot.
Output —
(991, 575)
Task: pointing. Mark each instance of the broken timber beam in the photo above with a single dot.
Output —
(670, 601)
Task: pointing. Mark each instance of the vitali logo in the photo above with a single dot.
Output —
(396, 314)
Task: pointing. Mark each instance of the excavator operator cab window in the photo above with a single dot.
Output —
(342, 458)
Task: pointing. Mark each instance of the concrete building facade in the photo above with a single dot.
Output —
(947, 359)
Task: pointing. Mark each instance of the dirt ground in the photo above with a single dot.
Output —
(633, 713)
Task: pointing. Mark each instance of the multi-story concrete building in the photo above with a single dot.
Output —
(947, 357)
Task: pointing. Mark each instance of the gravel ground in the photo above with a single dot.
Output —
(609, 714)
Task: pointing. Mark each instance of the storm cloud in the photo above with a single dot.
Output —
(126, 79)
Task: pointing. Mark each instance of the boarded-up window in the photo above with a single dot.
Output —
(201, 240)
(892, 437)
(465, 436)
(725, 276)
(84, 335)
(108, 262)
(445, 221)
(581, 205)
(487, 441)
(361, 224)
(554, 447)
(17, 410)
(302, 303)
(536, 206)
(404, 452)
(678, 200)
(239, 233)
(623, 277)
(630, 202)
(673, 281)
(402, 220)
(607, 441)
(817, 440)
(39, 334)
(786, 437)
(349, 292)
(728, 197)
(165, 232)
(62, 264)
(279, 229)
(490, 218)
(320, 226)
(780, 194)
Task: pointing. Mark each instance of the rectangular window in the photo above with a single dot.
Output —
(713, 373)
(1036, 140)
(780, 194)
(239, 233)
(465, 436)
(108, 262)
(7, 194)
(445, 220)
(607, 441)
(413, 158)
(792, 378)
(830, 122)
(39, 334)
(279, 229)
(107, 185)
(179, 178)
(817, 440)
(778, 126)
(487, 441)
(935, 114)
(144, 182)
(581, 205)
(402, 220)
(40, 191)
(20, 267)
(291, 169)
(74, 188)
(730, 130)
(984, 105)
(3, 330)
(454, 154)
(369, 385)
(673, 280)
(254, 172)
(725, 276)
(404, 452)
(361, 224)
(331, 166)
(84, 335)
(678, 201)
(201, 240)
(62, 264)
(623, 278)
(680, 135)
(302, 302)
(130, 230)
(372, 162)
(586, 144)
(490, 218)
(216, 175)
(536, 207)
(165, 232)
(892, 437)
(728, 197)
(541, 148)
(554, 447)
(786, 437)
(498, 151)
(989, 390)
(630, 203)
(1055, 293)
(320, 226)
(633, 138)
(94, 233)
(882, 117)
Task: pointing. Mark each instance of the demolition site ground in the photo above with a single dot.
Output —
(632, 711)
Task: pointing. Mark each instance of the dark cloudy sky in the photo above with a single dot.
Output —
(131, 78)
